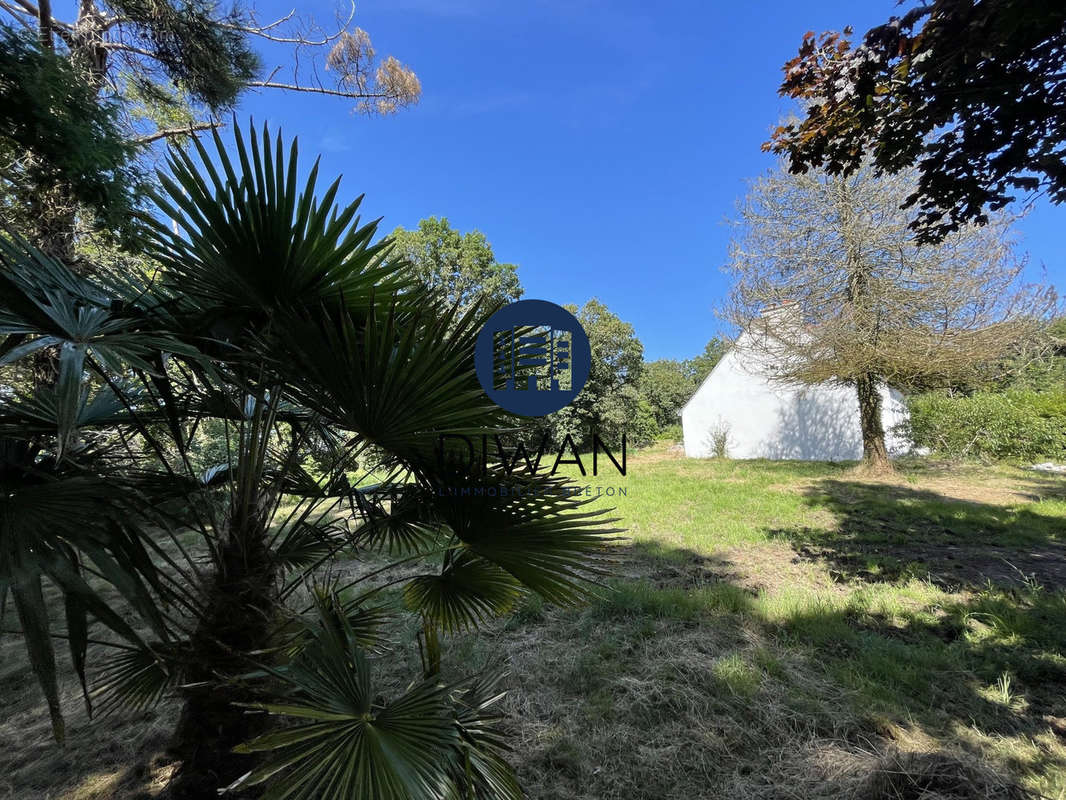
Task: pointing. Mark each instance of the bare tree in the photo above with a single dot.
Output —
(864, 303)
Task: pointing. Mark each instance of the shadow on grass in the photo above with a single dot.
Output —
(885, 532)
(977, 679)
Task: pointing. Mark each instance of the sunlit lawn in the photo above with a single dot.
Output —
(796, 630)
(769, 630)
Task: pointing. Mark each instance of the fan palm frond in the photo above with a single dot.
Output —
(136, 678)
(252, 239)
(468, 591)
(481, 771)
(398, 379)
(348, 742)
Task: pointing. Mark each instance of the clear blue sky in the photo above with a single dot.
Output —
(598, 145)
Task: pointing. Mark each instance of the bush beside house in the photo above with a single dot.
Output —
(1016, 424)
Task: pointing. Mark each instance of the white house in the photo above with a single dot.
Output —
(740, 405)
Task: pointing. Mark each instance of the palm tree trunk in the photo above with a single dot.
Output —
(874, 452)
(237, 621)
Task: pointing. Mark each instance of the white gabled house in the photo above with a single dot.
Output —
(741, 409)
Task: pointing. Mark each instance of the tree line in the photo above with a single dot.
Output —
(624, 393)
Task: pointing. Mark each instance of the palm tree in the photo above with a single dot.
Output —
(274, 318)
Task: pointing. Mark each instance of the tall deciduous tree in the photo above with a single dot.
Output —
(610, 403)
(699, 367)
(969, 92)
(667, 384)
(869, 304)
(461, 266)
(666, 387)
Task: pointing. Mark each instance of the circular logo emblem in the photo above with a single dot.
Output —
(532, 357)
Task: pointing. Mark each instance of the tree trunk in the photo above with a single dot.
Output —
(874, 452)
(238, 620)
(53, 224)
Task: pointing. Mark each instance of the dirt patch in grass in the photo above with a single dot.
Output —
(765, 567)
(664, 709)
(772, 567)
(948, 566)
(991, 488)
(113, 757)
(875, 770)
(886, 530)
(659, 452)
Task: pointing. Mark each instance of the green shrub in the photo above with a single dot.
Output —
(1014, 424)
(671, 433)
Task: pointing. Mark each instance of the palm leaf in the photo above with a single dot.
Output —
(136, 678)
(251, 239)
(468, 591)
(537, 529)
(397, 379)
(482, 772)
(347, 742)
(33, 617)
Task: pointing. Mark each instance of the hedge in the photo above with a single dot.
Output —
(1011, 425)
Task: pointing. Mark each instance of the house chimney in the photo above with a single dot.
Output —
(779, 309)
(783, 319)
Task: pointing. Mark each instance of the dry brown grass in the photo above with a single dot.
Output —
(725, 662)
(114, 756)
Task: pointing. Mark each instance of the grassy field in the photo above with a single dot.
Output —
(773, 630)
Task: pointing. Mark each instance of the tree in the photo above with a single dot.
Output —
(698, 368)
(860, 301)
(666, 387)
(168, 68)
(461, 266)
(1036, 365)
(610, 403)
(274, 315)
(58, 137)
(968, 92)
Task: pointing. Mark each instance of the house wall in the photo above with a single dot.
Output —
(766, 419)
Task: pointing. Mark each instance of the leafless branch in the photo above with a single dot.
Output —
(302, 36)
(29, 8)
(865, 297)
(25, 18)
(292, 87)
(183, 130)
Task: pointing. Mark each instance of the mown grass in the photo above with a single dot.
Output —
(798, 630)
(770, 630)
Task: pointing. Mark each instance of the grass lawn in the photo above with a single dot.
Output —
(773, 630)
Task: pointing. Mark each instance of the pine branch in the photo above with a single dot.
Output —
(294, 87)
(183, 130)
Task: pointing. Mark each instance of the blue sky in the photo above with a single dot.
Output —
(598, 145)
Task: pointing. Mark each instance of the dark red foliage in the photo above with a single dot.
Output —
(973, 94)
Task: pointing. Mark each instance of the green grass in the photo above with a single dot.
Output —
(771, 630)
(803, 622)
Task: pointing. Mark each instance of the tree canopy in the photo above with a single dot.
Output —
(697, 368)
(462, 266)
(667, 384)
(971, 93)
(610, 404)
(857, 300)
(56, 135)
